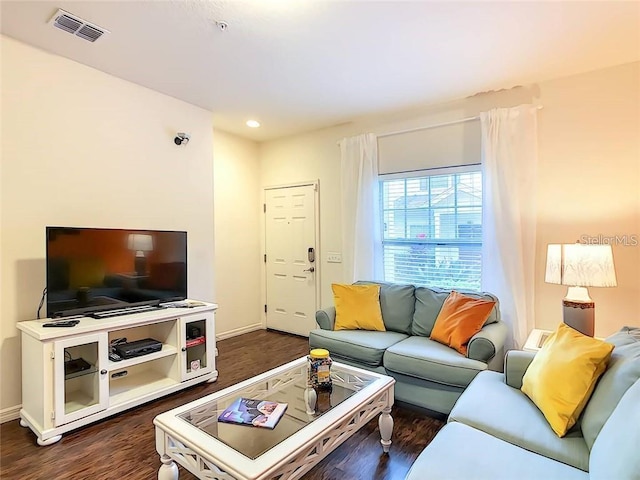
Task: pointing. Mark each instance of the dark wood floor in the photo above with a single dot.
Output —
(123, 446)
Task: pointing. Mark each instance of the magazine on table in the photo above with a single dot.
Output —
(249, 411)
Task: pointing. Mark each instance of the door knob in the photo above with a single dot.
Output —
(310, 269)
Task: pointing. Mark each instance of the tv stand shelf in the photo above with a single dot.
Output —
(167, 350)
(54, 403)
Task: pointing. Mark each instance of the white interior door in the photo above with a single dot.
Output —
(290, 231)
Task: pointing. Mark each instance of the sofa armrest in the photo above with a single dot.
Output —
(516, 363)
(326, 318)
(488, 342)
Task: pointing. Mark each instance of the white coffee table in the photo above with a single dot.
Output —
(192, 436)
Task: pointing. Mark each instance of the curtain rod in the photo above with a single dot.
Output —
(437, 125)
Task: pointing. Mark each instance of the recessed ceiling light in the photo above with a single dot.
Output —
(253, 123)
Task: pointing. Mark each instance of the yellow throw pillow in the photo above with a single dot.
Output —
(460, 318)
(357, 307)
(563, 374)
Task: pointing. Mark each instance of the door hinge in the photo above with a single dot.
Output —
(53, 415)
(265, 309)
(264, 207)
(53, 355)
(265, 258)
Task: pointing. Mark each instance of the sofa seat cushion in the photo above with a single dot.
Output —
(490, 405)
(426, 359)
(459, 452)
(615, 451)
(359, 346)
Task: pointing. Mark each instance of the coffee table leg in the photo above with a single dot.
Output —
(168, 470)
(385, 423)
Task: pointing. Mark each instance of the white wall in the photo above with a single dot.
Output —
(589, 148)
(589, 137)
(237, 234)
(305, 158)
(83, 148)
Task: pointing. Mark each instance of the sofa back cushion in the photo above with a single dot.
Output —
(429, 302)
(397, 303)
(615, 452)
(622, 372)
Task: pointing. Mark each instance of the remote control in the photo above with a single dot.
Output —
(177, 305)
(66, 323)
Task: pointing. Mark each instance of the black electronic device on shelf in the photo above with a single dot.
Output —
(76, 365)
(193, 332)
(137, 348)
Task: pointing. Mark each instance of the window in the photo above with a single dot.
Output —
(432, 231)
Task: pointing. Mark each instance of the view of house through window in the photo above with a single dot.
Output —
(432, 229)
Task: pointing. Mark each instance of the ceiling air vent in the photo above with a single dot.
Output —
(77, 26)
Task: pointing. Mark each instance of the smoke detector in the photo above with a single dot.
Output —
(77, 26)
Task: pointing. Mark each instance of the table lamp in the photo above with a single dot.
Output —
(140, 242)
(580, 266)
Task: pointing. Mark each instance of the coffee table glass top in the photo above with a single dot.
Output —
(287, 387)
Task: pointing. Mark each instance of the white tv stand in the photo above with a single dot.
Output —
(55, 402)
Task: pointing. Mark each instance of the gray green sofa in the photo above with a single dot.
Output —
(428, 374)
(495, 432)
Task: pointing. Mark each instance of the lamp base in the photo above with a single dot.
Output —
(580, 316)
(140, 265)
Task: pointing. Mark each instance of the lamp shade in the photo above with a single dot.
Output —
(140, 242)
(580, 265)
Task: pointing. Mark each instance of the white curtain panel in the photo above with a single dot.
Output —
(509, 163)
(361, 240)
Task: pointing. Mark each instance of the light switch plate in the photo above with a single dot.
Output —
(334, 257)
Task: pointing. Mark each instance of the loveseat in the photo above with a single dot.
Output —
(428, 374)
(496, 432)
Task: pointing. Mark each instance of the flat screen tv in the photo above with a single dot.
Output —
(97, 269)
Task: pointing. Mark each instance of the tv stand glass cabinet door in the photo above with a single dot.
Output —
(81, 382)
(197, 337)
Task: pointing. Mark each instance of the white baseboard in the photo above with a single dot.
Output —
(239, 331)
(11, 413)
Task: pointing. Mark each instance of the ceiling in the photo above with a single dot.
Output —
(301, 65)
